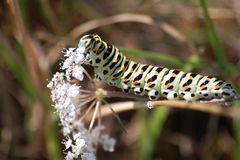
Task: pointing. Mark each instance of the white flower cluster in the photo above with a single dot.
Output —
(80, 143)
(65, 98)
(73, 63)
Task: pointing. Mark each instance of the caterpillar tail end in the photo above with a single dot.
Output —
(221, 101)
(237, 97)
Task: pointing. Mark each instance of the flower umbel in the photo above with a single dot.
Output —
(70, 102)
(73, 63)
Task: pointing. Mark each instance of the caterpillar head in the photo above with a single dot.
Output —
(90, 44)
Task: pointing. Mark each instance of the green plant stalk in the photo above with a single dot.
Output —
(23, 4)
(188, 67)
(150, 131)
(166, 59)
(53, 139)
(236, 153)
(48, 15)
(223, 63)
(18, 72)
(213, 38)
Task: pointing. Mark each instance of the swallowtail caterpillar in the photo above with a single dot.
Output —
(156, 82)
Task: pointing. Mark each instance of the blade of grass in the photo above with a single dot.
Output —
(48, 15)
(53, 141)
(96, 23)
(164, 58)
(23, 4)
(222, 62)
(150, 130)
(214, 40)
(236, 153)
(18, 72)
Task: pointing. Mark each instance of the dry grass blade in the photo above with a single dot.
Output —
(57, 44)
(173, 32)
(232, 112)
(219, 13)
(36, 63)
(52, 57)
(55, 52)
(10, 49)
(236, 6)
(90, 25)
(176, 34)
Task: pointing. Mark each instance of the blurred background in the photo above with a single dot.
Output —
(195, 36)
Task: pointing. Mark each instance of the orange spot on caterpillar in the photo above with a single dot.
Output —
(169, 85)
(216, 87)
(125, 81)
(203, 87)
(149, 83)
(185, 88)
(136, 82)
(106, 69)
(114, 78)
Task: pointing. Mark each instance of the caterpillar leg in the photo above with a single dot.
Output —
(125, 88)
(138, 91)
(188, 96)
(153, 94)
(97, 77)
(170, 94)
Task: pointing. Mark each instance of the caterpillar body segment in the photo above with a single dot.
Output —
(157, 82)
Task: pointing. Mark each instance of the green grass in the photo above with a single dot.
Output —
(164, 59)
(149, 129)
(215, 42)
(18, 71)
(223, 64)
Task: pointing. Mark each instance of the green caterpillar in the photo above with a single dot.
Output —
(157, 82)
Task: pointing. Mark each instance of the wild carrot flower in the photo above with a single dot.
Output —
(70, 102)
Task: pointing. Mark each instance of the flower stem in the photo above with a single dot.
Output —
(94, 115)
